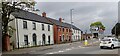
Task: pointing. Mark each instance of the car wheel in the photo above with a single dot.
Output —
(101, 47)
(112, 46)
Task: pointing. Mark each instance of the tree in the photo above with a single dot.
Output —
(7, 9)
(98, 24)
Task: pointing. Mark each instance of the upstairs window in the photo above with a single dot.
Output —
(66, 30)
(25, 24)
(63, 29)
(48, 27)
(59, 29)
(34, 26)
(43, 27)
(69, 30)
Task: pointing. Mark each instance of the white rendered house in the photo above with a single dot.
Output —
(31, 30)
(76, 34)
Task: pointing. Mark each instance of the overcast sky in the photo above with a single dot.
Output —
(84, 13)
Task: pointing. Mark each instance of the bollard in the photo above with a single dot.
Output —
(86, 42)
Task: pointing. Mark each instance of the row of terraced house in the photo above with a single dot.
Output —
(32, 29)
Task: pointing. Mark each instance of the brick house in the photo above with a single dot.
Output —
(63, 31)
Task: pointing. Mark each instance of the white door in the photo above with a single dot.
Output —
(119, 43)
(115, 42)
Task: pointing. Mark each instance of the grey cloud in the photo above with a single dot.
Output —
(84, 13)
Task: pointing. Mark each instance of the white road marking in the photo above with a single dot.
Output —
(79, 46)
(60, 51)
(68, 49)
(49, 53)
(73, 47)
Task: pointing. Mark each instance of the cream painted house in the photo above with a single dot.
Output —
(31, 30)
(76, 34)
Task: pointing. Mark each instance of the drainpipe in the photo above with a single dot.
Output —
(17, 33)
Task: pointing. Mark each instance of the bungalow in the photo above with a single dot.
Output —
(30, 30)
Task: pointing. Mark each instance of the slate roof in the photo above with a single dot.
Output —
(57, 22)
(22, 14)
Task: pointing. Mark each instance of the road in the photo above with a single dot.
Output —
(73, 48)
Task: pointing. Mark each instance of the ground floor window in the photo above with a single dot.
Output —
(49, 39)
(26, 39)
(43, 39)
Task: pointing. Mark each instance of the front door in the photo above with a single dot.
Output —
(26, 39)
(49, 39)
(43, 38)
(34, 40)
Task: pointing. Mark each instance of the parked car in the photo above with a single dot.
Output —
(110, 42)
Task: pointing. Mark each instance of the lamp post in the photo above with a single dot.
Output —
(71, 21)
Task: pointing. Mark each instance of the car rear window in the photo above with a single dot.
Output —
(106, 40)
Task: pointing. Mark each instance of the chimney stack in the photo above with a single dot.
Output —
(60, 19)
(43, 14)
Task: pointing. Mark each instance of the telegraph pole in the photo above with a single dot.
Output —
(71, 21)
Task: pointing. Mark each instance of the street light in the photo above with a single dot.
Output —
(71, 20)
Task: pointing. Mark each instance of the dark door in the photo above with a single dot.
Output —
(26, 39)
(49, 39)
(34, 40)
(43, 37)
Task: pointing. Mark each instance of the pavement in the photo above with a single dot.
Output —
(52, 48)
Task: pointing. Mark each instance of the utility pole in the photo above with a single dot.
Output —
(71, 21)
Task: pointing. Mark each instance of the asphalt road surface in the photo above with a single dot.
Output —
(74, 48)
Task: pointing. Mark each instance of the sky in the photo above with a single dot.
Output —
(84, 13)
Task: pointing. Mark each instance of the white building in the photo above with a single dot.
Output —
(76, 34)
(31, 30)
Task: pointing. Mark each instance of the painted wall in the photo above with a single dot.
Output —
(29, 31)
(76, 35)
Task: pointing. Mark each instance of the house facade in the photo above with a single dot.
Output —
(63, 32)
(76, 34)
(31, 30)
(35, 30)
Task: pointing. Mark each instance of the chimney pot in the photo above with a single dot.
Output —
(60, 19)
(43, 14)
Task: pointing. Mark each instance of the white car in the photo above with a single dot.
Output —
(109, 42)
